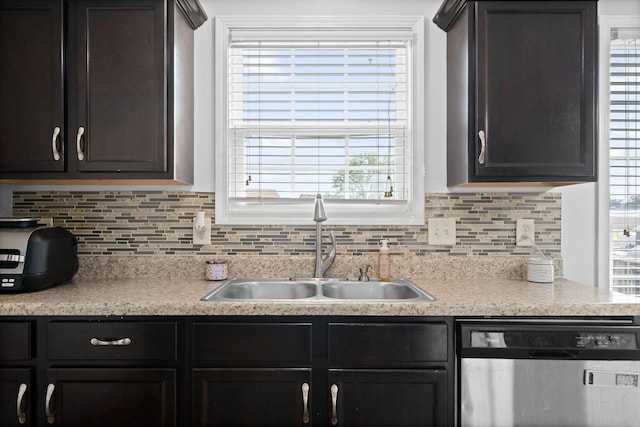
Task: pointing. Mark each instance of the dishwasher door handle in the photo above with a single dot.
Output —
(553, 354)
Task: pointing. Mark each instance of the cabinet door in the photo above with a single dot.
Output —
(15, 392)
(118, 86)
(536, 88)
(386, 398)
(31, 86)
(252, 397)
(16, 341)
(111, 397)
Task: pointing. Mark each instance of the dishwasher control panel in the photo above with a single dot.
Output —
(554, 339)
(615, 341)
(548, 340)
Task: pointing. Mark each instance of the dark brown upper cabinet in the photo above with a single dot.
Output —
(521, 92)
(97, 90)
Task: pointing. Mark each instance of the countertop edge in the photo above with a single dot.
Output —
(460, 298)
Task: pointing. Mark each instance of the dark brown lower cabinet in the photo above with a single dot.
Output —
(388, 397)
(234, 371)
(111, 397)
(322, 371)
(15, 396)
(252, 397)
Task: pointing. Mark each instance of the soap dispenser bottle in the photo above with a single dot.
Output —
(384, 262)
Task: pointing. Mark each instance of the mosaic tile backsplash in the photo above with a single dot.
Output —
(111, 223)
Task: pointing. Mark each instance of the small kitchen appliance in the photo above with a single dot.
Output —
(34, 256)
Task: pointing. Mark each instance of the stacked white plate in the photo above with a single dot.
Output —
(540, 270)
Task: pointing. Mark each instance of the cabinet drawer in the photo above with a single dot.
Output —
(112, 340)
(387, 342)
(252, 342)
(15, 340)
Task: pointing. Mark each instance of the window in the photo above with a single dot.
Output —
(623, 126)
(310, 105)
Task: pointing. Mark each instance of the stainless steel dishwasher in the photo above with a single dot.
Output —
(549, 372)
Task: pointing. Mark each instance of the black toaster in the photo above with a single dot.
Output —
(34, 256)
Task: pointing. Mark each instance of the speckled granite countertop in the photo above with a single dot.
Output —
(469, 297)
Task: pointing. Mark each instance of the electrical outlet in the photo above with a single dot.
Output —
(525, 233)
(202, 234)
(46, 221)
(442, 231)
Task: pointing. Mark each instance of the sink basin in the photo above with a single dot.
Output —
(317, 290)
(394, 290)
(369, 291)
(263, 289)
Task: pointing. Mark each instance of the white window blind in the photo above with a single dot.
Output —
(320, 106)
(324, 116)
(624, 142)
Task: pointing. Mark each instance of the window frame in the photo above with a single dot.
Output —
(292, 211)
(604, 252)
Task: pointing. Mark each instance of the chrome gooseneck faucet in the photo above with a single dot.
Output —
(319, 215)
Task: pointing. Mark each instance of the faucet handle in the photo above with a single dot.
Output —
(363, 273)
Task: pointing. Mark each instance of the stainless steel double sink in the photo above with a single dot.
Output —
(314, 289)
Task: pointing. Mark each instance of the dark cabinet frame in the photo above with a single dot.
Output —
(99, 91)
(194, 361)
(360, 355)
(68, 374)
(521, 92)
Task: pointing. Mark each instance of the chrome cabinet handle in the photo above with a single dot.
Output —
(483, 145)
(334, 404)
(54, 145)
(305, 401)
(121, 341)
(49, 411)
(20, 404)
(78, 145)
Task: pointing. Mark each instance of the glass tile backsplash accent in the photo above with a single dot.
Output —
(160, 223)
